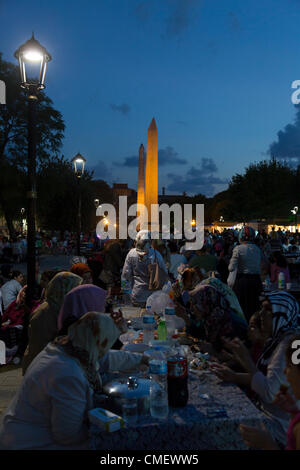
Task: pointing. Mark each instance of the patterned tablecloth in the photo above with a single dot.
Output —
(189, 428)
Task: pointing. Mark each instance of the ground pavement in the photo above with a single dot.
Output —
(11, 375)
(10, 380)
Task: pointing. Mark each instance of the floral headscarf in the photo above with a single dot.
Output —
(88, 340)
(215, 312)
(59, 286)
(236, 310)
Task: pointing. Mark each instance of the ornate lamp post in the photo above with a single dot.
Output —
(78, 164)
(33, 59)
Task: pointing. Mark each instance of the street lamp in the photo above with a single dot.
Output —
(78, 164)
(33, 59)
(294, 211)
(97, 203)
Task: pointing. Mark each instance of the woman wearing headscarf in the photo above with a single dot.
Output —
(50, 410)
(246, 261)
(84, 271)
(279, 321)
(43, 322)
(87, 298)
(238, 318)
(135, 272)
(212, 312)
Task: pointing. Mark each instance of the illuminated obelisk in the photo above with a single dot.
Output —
(141, 182)
(151, 186)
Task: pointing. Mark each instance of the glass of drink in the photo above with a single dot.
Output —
(130, 410)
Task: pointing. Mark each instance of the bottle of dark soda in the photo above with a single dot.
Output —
(178, 393)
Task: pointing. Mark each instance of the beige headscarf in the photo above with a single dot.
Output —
(89, 339)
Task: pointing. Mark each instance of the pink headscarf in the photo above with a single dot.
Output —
(80, 300)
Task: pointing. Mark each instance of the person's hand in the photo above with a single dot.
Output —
(119, 320)
(286, 402)
(240, 353)
(258, 438)
(224, 373)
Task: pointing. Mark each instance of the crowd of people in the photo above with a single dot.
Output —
(70, 338)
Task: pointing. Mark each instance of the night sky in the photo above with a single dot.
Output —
(215, 74)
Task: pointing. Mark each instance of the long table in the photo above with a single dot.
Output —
(189, 428)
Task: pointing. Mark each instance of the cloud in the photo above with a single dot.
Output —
(123, 108)
(166, 156)
(101, 171)
(197, 180)
(180, 16)
(208, 165)
(234, 22)
(287, 146)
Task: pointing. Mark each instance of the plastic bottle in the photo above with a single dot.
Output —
(126, 291)
(148, 325)
(170, 321)
(281, 281)
(178, 393)
(159, 406)
(162, 330)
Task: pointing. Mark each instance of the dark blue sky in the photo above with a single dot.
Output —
(215, 74)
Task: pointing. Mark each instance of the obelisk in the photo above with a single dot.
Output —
(141, 176)
(151, 185)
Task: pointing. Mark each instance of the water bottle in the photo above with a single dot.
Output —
(148, 325)
(159, 406)
(170, 321)
(126, 291)
(281, 281)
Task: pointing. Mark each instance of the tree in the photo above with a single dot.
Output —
(13, 130)
(264, 191)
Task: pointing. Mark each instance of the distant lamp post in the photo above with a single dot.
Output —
(96, 203)
(221, 219)
(193, 223)
(78, 163)
(294, 211)
(33, 60)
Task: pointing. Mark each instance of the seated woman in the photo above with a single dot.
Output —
(87, 298)
(12, 321)
(278, 323)
(50, 410)
(225, 297)
(261, 438)
(43, 322)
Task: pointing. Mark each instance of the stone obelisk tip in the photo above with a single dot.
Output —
(152, 125)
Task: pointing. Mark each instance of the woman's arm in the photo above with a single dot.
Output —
(233, 264)
(68, 410)
(267, 386)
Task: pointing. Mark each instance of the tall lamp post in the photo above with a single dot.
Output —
(32, 55)
(78, 164)
(294, 211)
